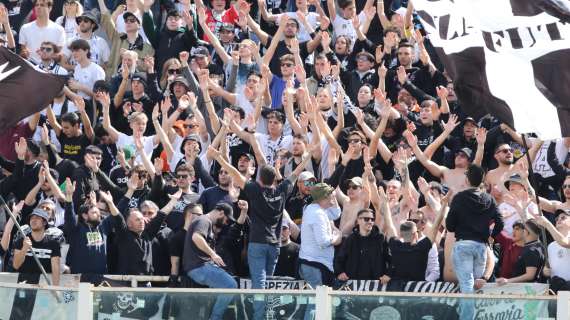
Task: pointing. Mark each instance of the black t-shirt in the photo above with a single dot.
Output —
(119, 176)
(409, 262)
(211, 196)
(287, 262)
(73, 148)
(267, 212)
(45, 249)
(176, 243)
(281, 50)
(193, 257)
(532, 255)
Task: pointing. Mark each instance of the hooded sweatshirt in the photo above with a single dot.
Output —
(471, 214)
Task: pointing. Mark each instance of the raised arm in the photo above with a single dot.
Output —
(389, 228)
(254, 26)
(384, 21)
(275, 40)
(332, 9)
(213, 39)
(238, 179)
(433, 168)
(89, 133)
(53, 121)
(481, 137)
(447, 130)
(105, 101)
(432, 232)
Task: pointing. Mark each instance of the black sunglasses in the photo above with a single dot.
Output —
(173, 71)
(367, 219)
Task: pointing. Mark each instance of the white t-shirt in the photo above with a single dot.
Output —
(88, 76)
(510, 215)
(559, 258)
(312, 19)
(128, 142)
(99, 49)
(270, 147)
(32, 37)
(343, 27)
(70, 26)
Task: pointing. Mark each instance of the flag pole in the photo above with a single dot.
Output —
(36, 259)
(534, 186)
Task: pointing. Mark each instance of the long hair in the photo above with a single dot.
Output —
(164, 77)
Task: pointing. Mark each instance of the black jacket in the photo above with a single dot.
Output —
(135, 251)
(470, 215)
(362, 258)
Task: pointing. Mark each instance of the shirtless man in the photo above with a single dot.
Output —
(357, 195)
(494, 180)
(553, 205)
(452, 178)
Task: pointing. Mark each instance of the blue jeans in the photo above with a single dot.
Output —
(469, 258)
(314, 277)
(215, 277)
(262, 259)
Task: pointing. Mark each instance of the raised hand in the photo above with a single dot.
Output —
(325, 39)
(442, 92)
(423, 185)
(410, 138)
(69, 189)
(133, 182)
(402, 75)
(158, 165)
(184, 56)
(481, 136)
(451, 123)
(21, 148)
(324, 22)
(106, 196)
(176, 196)
(149, 64)
(44, 134)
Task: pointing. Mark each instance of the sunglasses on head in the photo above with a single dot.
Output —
(173, 71)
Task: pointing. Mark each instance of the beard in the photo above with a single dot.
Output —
(220, 222)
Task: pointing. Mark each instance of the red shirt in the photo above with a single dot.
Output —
(510, 254)
(11, 136)
(229, 16)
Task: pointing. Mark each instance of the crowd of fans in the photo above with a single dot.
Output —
(318, 140)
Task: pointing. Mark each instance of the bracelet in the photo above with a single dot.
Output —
(209, 101)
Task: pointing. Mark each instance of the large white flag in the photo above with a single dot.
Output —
(510, 58)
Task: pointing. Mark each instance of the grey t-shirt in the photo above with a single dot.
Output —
(193, 257)
(266, 210)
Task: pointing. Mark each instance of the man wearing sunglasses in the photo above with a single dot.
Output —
(48, 55)
(364, 254)
(130, 40)
(299, 200)
(87, 25)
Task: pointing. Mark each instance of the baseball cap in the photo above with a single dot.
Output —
(130, 14)
(357, 181)
(227, 27)
(246, 154)
(227, 209)
(40, 213)
(466, 151)
(200, 51)
(321, 191)
(306, 175)
(470, 119)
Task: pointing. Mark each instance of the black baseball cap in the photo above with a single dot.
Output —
(227, 209)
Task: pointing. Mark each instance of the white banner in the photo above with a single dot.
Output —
(523, 49)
